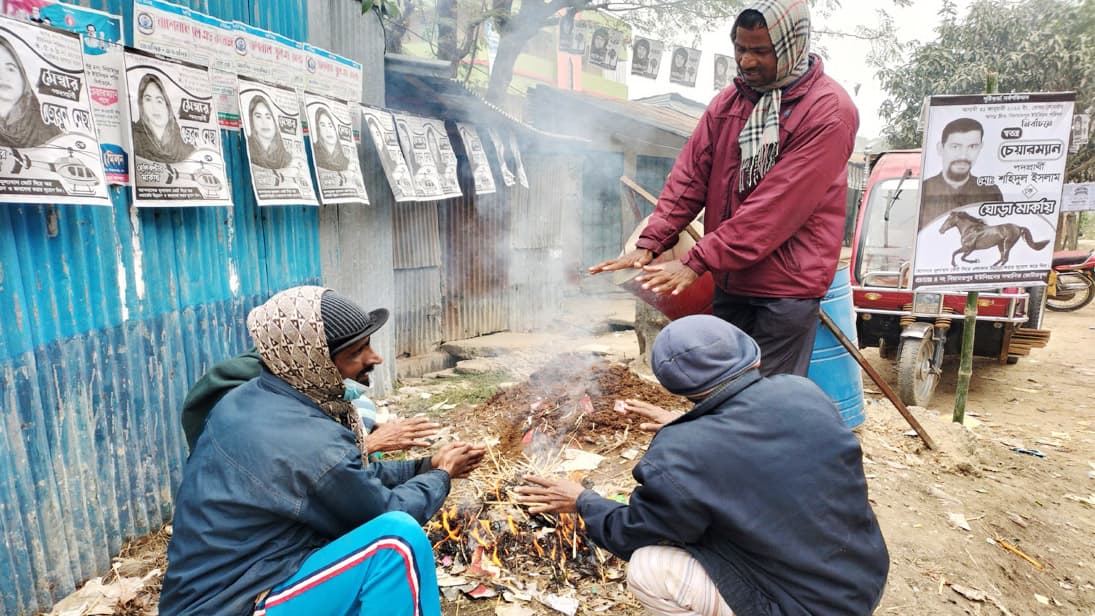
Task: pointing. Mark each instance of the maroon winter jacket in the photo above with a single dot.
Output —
(782, 237)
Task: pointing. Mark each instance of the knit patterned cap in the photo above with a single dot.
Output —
(345, 322)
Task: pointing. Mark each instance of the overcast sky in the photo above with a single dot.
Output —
(846, 59)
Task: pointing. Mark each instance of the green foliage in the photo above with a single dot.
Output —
(458, 390)
(1032, 46)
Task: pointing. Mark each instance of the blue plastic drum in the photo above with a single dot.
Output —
(832, 367)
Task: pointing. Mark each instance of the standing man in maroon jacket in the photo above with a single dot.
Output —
(768, 162)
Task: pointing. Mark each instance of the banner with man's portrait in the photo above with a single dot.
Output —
(334, 152)
(174, 136)
(49, 149)
(504, 164)
(990, 189)
(516, 160)
(683, 66)
(477, 157)
(423, 163)
(725, 69)
(646, 57)
(381, 128)
(271, 119)
(605, 47)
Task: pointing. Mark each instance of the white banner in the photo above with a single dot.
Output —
(177, 158)
(477, 158)
(437, 141)
(331, 134)
(991, 188)
(381, 127)
(500, 151)
(49, 150)
(1078, 197)
(271, 118)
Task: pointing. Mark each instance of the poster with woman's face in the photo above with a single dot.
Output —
(500, 152)
(272, 130)
(381, 128)
(646, 57)
(437, 140)
(331, 134)
(683, 65)
(480, 166)
(412, 139)
(174, 137)
(516, 161)
(49, 151)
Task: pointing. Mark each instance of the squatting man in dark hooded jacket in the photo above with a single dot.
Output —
(752, 503)
(279, 511)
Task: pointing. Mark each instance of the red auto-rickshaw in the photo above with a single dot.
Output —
(920, 329)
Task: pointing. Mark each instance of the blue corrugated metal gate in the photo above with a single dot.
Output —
(109, 315)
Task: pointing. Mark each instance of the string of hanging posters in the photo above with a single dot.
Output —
(82, 111)
(604, 47)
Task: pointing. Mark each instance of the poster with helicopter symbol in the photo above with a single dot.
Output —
(49, 151)
(174, 136)
(273, 131)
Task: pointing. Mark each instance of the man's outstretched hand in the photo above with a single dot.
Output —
(669, 277)
(656, 415)
(397, 435)
(550, 495)
(633, 260)
(458, 459)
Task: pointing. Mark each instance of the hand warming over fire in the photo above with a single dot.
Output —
(669, 277)
(634, 259)
(397, 435)
(458, 459)
(550, 495)
(657, 415)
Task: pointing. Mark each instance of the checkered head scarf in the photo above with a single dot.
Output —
(789, 27)
(289, 333)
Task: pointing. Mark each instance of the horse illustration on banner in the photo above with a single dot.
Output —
(977, 235)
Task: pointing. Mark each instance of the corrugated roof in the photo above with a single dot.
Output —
(543, 98)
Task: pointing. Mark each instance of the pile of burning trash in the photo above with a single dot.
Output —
(561, 421)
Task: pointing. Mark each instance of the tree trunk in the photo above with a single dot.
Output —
(448, 47)
(501, 71)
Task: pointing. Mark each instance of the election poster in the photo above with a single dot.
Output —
(181, 33)
(333, 75)
(1078, 197)
(480, 166)
(275, 144)
(725, 69)
(49, 150)
(683, 66)
(1081, 131)
(646, 57)
(255, 55)
(381, 127)
(174, 137)
(423, 164)
(515, 158)
(437, 141)
(500, 151)
(990, 192)
(101, 34)
(338, 171)
(606, 47)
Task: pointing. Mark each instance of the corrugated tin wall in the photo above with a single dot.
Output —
(601, 213)
(356, 241)
(417, 262)
(546, 240)
(111, 314)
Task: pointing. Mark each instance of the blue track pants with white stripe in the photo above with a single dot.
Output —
(382, 567)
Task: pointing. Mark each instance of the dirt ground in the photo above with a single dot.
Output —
(973, 527)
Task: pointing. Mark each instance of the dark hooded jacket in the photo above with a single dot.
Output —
(763, 484)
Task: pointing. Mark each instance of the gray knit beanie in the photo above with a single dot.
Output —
(344, 322)
(697, 353)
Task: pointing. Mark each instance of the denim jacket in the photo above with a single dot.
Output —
(271, 479)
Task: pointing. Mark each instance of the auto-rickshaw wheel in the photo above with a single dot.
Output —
(916, 378)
